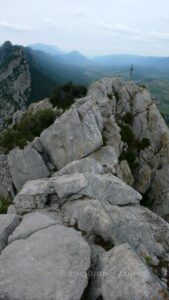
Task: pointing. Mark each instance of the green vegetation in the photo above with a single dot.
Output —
(30, 126)
(110, 96)
(116, 94)
(142, 86)
(4, 203)
(134, 145)
(64, 96)
(148, 260)
(144, 143)
(127, 135)
(146, 200)
(128, 118)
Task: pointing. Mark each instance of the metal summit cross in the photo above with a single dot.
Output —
(131, 72)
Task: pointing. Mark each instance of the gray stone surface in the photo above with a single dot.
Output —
(108, 188)
(6, 187)
(100, 161)
(51, 264)
(34, 195)
(40, 105)
(31, 223)
(159, 193)
(83, 165)
(145, 231)
(127, 97)
(15, 87)
(8, 223)
(124, 173)
(26, 165)
(127, 277)
(74, 135)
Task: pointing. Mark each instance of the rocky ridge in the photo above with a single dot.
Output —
(15, 81)
(76, 229)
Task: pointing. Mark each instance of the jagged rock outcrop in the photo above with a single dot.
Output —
(99, 162)
(84, 216)
(74, 135)
(15, 80)
(108, 188)
(32, 223)
(146, 232)
(6, 182)
(128, 277)
(40, 105)
(8, 223)
(45, 265)
(25, 165)
(132, 107)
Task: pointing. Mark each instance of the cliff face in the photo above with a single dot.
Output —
(15, 80)
(78, 192)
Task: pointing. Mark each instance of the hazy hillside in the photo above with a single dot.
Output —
(27, 75)
(50, 49)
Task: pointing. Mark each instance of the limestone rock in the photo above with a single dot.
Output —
(17, 117)
(127, 277)
(6, 186)
(83, 165)
(107, 157)
(15, 81)
(8, 223)
(25, 165)
(159, 193)
(34, 195)
(40, 105)
(30, 224)
(124, 173)
(100, 161)
(50, 264)
(74, 135)
(143, 179)
(146, 232)
(108, 188)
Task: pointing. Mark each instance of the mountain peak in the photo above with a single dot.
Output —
(7, 45)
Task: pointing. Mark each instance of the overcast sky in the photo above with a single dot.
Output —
(91, 26)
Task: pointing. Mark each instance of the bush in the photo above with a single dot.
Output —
(110, 96)
(128, 118)
(30, 126)
(116, 94)
(142, 86)
(64, 96)
(129, 156)
(4, 203)
(127, 135)
(141, 145)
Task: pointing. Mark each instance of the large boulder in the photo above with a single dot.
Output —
(34, 195)
(132, 106)
(6, 186)
(26, 165)
(125, 276)
(145, 231)
(74, 135)
(159, 193)
(51, 264)
(8, 223)
(40, 105)
(31, 223)
(106, 187)
(100, 161)
(124, 173)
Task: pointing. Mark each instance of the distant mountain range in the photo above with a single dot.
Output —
(28, 74)
(120, 60)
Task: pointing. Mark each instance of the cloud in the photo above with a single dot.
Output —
(10, 26)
